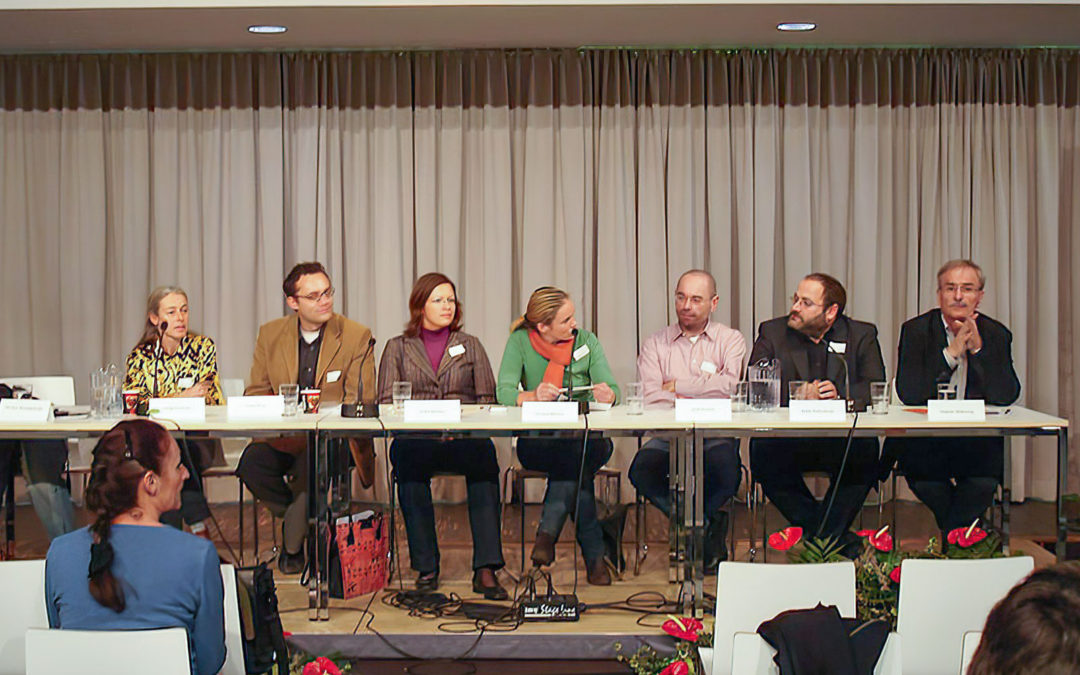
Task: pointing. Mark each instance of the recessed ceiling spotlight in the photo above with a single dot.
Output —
(267, 29)
(796, 26)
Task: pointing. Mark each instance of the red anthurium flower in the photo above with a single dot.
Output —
(895, 574)
(785, 538)
(328, 666)
(684, 629)
(312, 668)
(881, 540)
(967, 536)
(676, 668)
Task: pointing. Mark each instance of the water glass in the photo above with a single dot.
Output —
(879, 398)
(797, 390)
(946, 391)
(290, 393)
(740, 396)
(402, 393)
(635, 398)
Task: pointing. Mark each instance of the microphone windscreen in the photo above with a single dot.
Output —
(163, 326)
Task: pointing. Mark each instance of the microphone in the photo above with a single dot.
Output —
(361, 409)
(850, 406)
(162, 327)
(568, 378)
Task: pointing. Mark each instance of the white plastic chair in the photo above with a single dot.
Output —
(941, 600)
(22, 586)
(971, 643)
(56, 389)
(107, 652)
(234, 643)
(750, 593)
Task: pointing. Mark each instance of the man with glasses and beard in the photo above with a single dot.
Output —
(816, 343)
(317, 349)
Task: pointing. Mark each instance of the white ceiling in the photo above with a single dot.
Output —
(159, 25)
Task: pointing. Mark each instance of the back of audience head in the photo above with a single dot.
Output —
(131, 457)
(1035, 629)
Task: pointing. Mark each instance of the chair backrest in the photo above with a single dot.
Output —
(971, 643)
(234, 640)
(749, 593)
(232, 386)
(940, 600)
(56, 389)
(107, 652)
(22, 586)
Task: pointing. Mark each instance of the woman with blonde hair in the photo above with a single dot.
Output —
(547, 355)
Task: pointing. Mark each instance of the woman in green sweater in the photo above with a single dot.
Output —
(544, 354)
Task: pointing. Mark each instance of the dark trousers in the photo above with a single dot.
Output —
(560, 459)
(955, 477)
(42, 466)
(779, 464)
(196, 454)
(280, 480)
(415, 461)
(649, 473)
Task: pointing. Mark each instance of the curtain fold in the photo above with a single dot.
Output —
(607, 173)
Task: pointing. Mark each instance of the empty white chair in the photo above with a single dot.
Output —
(971, 643)
(107, 652)
(22, 586)
(940, 600)
(56, 389)
(234, 642)
(748, 594)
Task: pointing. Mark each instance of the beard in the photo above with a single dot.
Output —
(814, 327)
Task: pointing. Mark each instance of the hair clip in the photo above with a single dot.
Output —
(127, 446)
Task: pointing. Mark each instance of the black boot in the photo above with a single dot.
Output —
(716, 541)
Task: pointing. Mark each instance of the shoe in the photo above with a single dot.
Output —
(611, 527)
(487, 584)
(716, 541)
(596, 572)
(291, 563)
(543, 552)
(428, 581)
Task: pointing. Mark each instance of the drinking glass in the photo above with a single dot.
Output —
(635, 398)
(797, 390)
(879, 398)
(946, 391)
(740, 396)
(402, 393)
(290, 393)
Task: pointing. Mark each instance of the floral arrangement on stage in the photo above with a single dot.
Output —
(690, 635)
(305, 664)
(877, 569)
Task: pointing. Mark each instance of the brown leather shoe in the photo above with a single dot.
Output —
(363, 453)
(487, 584)
(543, 552)
(597, 573)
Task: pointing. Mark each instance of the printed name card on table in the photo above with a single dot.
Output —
(255, 407)
(24, 410)
(180, 409)
(703, 410)
(956, 411)
(438, 411)
(549, 412)
(820, 410)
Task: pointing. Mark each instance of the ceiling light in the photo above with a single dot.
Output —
(796, 26)
(267, 29)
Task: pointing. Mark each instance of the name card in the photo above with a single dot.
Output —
(703, 410)
(24, 410)
(820, 410)
(549, 412)
(956, 411)
(187, 409)
(254, 407)
(439, 411)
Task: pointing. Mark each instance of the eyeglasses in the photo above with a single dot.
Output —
(965, 289)
(443, 301)
(804, 302)
(315, 297)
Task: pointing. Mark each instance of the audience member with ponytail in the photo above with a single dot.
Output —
(138, 574)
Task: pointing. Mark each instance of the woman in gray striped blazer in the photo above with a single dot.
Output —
(444, 362)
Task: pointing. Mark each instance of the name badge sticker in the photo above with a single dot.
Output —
(333, 376)
(838, 347)
(708, 367)
(581, 352)
(186, 382)
(456, 350)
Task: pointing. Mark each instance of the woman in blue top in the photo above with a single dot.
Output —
(142, 575)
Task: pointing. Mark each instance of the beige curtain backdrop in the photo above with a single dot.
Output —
(604, 172)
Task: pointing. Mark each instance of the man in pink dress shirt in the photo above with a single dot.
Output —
(693, 358)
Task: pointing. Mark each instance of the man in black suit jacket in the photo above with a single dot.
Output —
(814, 342)
(955, 477)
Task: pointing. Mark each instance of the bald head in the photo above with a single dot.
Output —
(695, 300)
(698, 274)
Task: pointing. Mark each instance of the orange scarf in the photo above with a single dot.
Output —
(558, 356)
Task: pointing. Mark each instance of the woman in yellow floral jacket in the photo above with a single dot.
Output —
(185, 366)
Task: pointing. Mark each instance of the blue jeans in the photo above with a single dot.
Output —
(43, 467)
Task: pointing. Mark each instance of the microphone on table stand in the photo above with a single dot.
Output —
(361, 409)
(568, 379)
(162, 327)
(849, 402)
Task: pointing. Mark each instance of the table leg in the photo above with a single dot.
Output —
(676, 529)
(1062, 488)
(318, 514)
(697, 531)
